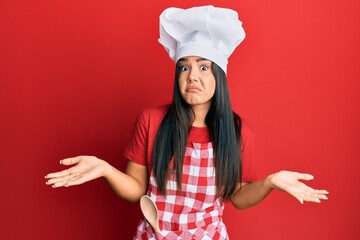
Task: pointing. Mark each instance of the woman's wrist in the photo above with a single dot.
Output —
(268, 182)
(107, 169)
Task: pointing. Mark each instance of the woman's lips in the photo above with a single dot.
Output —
(193, 89)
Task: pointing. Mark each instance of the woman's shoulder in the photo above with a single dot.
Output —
(155, 112)
(153, 115)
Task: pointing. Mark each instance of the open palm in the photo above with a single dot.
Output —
(290, 182)
(86, 169)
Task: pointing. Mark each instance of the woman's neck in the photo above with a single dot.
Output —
(200, 112)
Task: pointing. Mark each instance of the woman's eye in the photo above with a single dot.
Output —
(204, 68)
(184, 68)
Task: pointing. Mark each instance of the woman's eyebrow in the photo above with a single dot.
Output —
(198, 59)
(202, 59)
(183, 60)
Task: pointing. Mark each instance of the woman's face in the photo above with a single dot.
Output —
(196, 81)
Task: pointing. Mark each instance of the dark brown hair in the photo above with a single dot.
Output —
(224, 126)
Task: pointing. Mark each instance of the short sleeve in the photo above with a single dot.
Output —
(140, 147)
(247, 153)
(136, 150)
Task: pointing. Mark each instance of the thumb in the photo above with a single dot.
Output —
(70, 161)
(304, 176)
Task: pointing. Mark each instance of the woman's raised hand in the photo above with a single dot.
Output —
(86, 169)
(290, 182)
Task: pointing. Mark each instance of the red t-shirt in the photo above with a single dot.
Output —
(140, 148)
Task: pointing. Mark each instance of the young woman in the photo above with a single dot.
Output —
(195, 154)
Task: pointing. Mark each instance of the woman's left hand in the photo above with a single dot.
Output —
(290, 182)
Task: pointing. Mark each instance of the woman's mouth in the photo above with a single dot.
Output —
(193, 89)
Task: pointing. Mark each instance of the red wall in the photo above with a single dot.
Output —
(75, 74)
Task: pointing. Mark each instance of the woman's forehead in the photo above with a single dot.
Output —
(193, 58)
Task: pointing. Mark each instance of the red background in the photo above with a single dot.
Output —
(75, 74)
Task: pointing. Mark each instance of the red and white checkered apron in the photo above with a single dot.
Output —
(196, 213)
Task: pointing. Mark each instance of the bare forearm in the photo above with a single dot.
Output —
(124, 185)
(252, 193)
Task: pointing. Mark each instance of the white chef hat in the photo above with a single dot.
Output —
(205, 31)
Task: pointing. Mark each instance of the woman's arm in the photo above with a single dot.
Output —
(250, 194)
(130, 185)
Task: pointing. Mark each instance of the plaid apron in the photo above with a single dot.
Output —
(196, 212)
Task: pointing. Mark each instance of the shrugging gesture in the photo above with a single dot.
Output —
(185, 135)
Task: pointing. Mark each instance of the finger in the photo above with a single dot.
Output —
(70, 161)
(70, 171)
(316, 191)
(321, 194)
(304, 193)
(300, 188)
(64, 182)
(60, 179)
(306, 188)
(312, 199)
(298, 197)
(296, 194)
(323, 197)
(59, 184)
(315, 196)
(304, 176)
(58, 174)
(77, 181)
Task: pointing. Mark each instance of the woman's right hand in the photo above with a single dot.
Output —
(86, 168)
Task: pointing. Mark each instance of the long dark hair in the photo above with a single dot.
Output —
(224, 126)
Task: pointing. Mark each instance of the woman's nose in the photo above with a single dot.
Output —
(193, 76)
